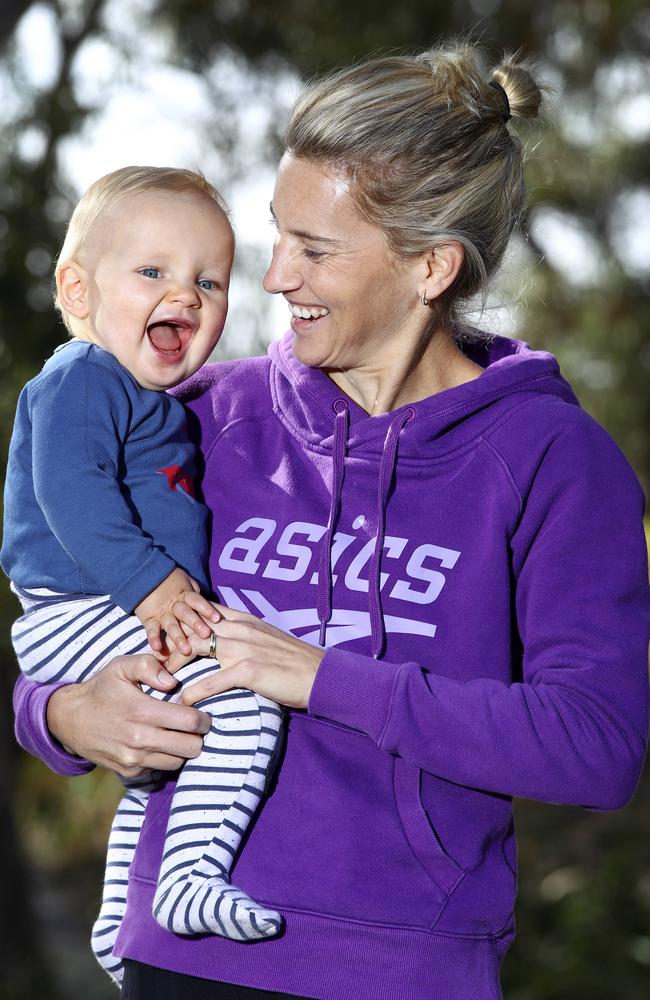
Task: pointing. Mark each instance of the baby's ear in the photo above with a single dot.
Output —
(71, 288)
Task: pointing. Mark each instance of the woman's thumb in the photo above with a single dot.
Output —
(146, 669)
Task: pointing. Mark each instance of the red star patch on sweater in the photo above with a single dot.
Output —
(176, 476)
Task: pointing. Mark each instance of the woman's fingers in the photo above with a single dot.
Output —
(231, 615)
(226, 679)
(200, 647)
(261, 658)
(109, 719)
(146, 751)
(143, 669)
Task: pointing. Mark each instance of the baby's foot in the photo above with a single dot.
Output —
(200, 905)
(103, 941)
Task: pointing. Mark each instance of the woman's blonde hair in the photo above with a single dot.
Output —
(425, 142)
(106, 192)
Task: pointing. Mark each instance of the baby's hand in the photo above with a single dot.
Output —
(174, 601)
(199, 646)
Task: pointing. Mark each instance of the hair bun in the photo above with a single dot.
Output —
(514, 81)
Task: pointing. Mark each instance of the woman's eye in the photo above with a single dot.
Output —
(150, 272)
(206, 283)
(312, 254)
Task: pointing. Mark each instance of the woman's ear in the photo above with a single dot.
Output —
(71, 288)
(441, 267)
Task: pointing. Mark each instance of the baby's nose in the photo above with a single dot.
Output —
(185, 293)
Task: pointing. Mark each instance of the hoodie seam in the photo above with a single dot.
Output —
(389, 712)
(229, 426)
(506, 469)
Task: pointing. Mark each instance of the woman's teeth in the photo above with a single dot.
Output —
(302, 312)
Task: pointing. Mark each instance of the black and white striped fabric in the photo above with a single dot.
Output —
(69, 637)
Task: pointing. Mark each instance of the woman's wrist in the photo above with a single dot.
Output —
(32, 732)
(60, 705)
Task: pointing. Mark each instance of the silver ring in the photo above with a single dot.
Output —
(213, 646)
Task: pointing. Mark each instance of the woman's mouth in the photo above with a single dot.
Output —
(302, 317)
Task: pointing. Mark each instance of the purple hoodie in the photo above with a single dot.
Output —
(476, 565)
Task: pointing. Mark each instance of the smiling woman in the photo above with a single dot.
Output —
(411, 520)
(345, 286)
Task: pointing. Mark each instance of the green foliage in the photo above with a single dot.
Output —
(65, 823)
(583, 916)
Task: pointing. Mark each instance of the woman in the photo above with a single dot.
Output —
(456, 548)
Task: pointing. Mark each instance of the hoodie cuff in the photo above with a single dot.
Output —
(355, 691)
(155, 568)
(30, 702)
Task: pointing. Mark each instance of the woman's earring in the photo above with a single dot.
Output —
(423, 298)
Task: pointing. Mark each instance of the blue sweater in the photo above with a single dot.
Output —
(98, 496)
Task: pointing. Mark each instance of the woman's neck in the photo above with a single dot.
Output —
(437, 365)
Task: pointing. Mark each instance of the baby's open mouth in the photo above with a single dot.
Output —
(167, 337)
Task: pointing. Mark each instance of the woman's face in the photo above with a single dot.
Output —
(354, 303)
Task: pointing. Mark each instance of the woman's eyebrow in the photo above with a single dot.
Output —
(305, 235)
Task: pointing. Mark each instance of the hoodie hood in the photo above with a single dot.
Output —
(307, 401)
(315, 411)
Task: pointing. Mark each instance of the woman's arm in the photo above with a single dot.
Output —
(109, 721)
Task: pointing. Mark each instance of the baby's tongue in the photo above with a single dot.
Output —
(164, 337)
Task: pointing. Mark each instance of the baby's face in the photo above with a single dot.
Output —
(158, 267)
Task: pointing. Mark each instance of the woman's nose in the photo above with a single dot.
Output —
(282, 274)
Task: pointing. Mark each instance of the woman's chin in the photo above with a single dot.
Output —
(308, 351)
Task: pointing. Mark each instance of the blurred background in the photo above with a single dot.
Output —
(90, 85)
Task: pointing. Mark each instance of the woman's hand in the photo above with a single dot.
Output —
(259, 657)
(110, 721)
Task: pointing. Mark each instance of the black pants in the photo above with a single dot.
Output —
(144, 982)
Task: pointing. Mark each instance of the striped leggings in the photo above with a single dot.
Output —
(64, 637)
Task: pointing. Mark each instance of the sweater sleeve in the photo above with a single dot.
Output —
(573, 727)
(80, 418)
(30, 707)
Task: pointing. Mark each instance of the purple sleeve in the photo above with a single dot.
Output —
(30, 706)
(574, 729)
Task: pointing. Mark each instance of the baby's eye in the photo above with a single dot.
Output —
(207, 284)
(150, 272)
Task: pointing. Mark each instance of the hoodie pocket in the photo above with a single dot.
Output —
(420, 834)
(344, 834)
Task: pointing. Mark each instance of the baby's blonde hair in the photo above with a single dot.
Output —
(426, 144)
(106, 192)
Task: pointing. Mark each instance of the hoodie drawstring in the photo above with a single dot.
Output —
(386, 475)
(324, 605)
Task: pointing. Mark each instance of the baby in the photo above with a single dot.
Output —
(104, 540)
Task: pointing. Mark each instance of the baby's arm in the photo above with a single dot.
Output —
(173, 602)
(80, 416)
